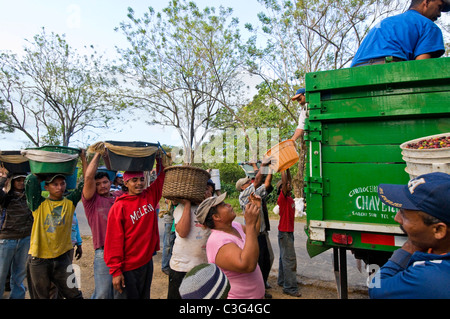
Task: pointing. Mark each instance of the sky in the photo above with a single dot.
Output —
(92, 22)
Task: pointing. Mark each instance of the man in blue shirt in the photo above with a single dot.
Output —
(421, 268)
(411, 35)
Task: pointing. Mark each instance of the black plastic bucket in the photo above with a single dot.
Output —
(117, 162)
(15, 168)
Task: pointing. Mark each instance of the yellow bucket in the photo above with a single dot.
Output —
(285, 154)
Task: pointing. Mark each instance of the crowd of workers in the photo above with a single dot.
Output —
(206, 253)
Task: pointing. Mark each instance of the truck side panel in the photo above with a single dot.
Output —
(358, 118)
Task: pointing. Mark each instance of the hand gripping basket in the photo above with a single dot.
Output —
(185, 182)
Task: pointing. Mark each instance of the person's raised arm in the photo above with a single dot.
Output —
(89, 187)
(33, 192)
(301, 124)
(263, 170)
(285, 180)
(268, 179)
(3, 183)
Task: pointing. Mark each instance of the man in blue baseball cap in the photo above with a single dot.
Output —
(301, 98)
(421, 268)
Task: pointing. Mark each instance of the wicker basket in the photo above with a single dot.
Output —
(185, 182)
(425, 161)
(286, 155)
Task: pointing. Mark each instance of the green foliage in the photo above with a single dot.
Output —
(52, 92)
(229, 175)
(266, 112)
(184, 63)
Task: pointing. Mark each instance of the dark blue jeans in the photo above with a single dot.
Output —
(103, 280)
(168, 240)
(13, 260)
(287, 270)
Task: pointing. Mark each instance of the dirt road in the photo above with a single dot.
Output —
(311, 289)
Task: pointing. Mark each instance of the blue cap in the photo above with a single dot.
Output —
(429, 193)
(298, 92)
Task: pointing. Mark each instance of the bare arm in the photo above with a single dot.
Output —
(89, 188)
(301, 124)
(259, 178)
(297, 134)
(268, 179)
(285, 179)
(424, 56)
(183, 226)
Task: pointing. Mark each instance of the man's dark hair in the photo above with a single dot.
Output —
(415, 3)
(100, 175)
(211, 183)
(431, 220)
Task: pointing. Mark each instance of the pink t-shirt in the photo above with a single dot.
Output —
(97, 210)
(243, 285)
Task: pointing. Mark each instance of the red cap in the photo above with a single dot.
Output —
(129, 175)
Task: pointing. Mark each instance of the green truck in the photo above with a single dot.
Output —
(358, 118)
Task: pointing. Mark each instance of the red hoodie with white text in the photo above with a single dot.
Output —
(132, 235)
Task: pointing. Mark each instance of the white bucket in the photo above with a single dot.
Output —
(215, 176)
(424, 161)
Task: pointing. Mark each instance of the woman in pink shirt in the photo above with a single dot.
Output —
(234, 247)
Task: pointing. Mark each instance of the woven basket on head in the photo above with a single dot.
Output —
(185, 182)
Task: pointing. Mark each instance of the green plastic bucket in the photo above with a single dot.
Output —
(66, 168)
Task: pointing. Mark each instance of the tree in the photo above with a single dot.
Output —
(308, 36)
(180, 65)
(52, 92)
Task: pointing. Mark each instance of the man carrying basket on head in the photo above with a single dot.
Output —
(49, 258)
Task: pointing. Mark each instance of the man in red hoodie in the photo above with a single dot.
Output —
(132, 236)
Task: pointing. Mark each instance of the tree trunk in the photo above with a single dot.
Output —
(298, 179)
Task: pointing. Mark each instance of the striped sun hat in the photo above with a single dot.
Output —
(205, 281)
